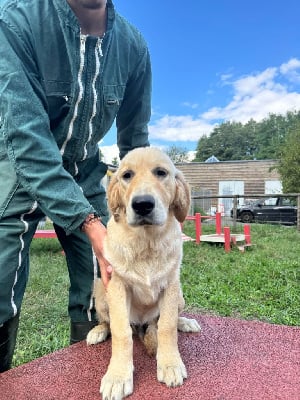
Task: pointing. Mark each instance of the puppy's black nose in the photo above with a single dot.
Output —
(143, 205)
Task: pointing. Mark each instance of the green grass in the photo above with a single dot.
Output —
(263, 283)
(44, 323)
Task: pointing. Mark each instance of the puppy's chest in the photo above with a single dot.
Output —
(147, 291)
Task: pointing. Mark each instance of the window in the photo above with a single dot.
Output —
(273, 187)
(228, 188)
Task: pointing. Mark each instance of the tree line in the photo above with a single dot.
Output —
(251, 141)
(276, 137)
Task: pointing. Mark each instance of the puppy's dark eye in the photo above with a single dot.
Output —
(160, 172)
(127, 175)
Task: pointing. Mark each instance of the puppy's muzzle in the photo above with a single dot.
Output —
(143, 205)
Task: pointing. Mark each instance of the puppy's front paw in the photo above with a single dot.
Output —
(188, 325)
(172, 374)
(116, 386)
(98, 334)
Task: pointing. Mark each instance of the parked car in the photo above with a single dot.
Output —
(281, 210)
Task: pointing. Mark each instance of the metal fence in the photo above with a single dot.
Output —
(229, 205)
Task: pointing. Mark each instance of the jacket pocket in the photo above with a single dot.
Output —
(59, 98)
(112, 99)
(8, 182)
(8, 177)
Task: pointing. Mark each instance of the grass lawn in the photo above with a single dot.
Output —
(263, 283)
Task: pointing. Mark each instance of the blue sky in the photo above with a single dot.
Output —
(214, 61)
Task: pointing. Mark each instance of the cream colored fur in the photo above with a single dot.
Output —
(145, 252)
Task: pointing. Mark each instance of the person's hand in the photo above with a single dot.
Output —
(105, 269)
(96, 233)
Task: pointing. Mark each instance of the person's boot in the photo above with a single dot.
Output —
(8, 337)
(79, 330)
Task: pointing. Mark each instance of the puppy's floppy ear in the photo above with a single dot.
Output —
(114, 197)
(182, 198)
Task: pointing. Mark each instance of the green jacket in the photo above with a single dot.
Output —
(60, 93)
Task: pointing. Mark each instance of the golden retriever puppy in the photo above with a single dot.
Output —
(148, 199)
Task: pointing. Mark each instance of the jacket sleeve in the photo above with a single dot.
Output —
(135, 111)
(30, 145)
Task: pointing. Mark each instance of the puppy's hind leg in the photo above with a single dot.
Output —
(150, 338)
(188, 325)
(98, 334)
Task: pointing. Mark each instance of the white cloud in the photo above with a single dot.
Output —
(291, 65)
(191, 155)
(255, 96)
(109, 153)
(190, 105)
(225, 77)
(253, 84)
(291, 70)
(179, 128)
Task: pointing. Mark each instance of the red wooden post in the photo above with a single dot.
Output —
(247, 233)
(227, 238)
(198, 227)
(218, 223)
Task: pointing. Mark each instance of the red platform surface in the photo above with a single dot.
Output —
(229, 360)
(45, 233)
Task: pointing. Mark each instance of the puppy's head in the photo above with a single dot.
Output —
(147, 189)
